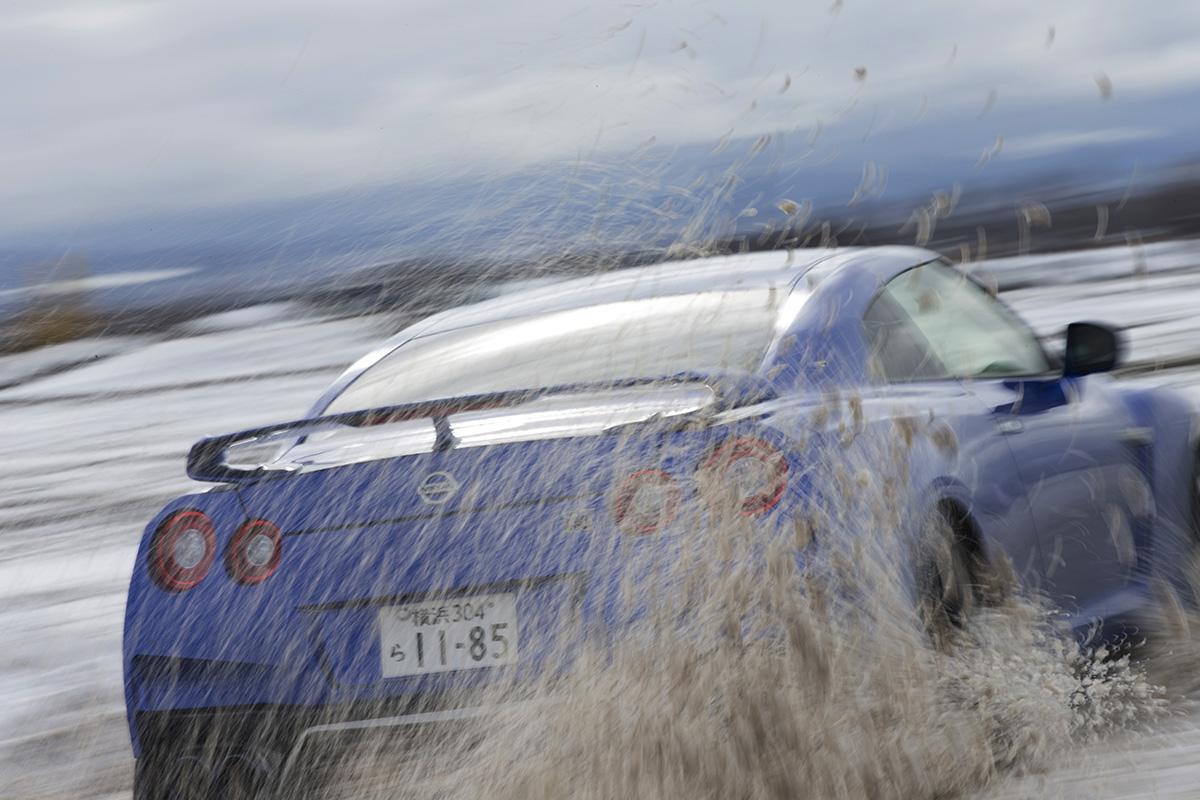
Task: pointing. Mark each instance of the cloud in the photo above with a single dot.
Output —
(117, 108)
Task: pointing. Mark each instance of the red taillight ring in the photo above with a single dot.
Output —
(247, 558)
(628, 488)
(165, 569)
(747, 447)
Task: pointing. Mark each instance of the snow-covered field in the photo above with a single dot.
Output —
(89, 452)
(93, 436)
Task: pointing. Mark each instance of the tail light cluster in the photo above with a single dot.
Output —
(751, 471)
(185, 546)
(253, 552)
(747, 474)
(182, 550)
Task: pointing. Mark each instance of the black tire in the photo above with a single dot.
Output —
(947, 578)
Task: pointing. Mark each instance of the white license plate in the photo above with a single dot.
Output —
(448, 634)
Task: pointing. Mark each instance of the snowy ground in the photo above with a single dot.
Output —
(93, 435)
(89, 453)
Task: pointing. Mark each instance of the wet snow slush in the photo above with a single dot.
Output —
(768, 686)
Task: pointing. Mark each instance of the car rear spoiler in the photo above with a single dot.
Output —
(206, 459)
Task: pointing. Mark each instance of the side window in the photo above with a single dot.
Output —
(969, 332)
(898, 350)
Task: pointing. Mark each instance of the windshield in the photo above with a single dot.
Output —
(644, 338)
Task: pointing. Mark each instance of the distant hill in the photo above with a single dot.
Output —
(863, 180)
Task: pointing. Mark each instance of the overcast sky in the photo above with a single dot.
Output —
(118, 108)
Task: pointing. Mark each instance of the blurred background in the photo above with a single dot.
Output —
(206, 155)
(208, 209)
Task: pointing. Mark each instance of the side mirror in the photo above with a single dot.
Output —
(1091, 348)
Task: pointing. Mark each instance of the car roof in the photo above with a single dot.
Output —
(773, 268)
(778, 268)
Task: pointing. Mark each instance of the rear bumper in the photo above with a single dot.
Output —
(276, 727)
(326, 669)
(289, 746)
(334, 737)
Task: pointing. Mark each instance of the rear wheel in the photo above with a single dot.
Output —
(948, 575)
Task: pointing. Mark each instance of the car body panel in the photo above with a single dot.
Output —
(1080, 472)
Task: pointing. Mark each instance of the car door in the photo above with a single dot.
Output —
(1073, 441)
(911, 377)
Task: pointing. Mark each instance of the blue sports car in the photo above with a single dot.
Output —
(457, 488)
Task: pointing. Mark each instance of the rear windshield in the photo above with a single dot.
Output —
(644, 338)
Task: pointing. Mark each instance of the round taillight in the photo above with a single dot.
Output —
(253, 552)
(182, 550)
(646, 501)
(752, 471)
